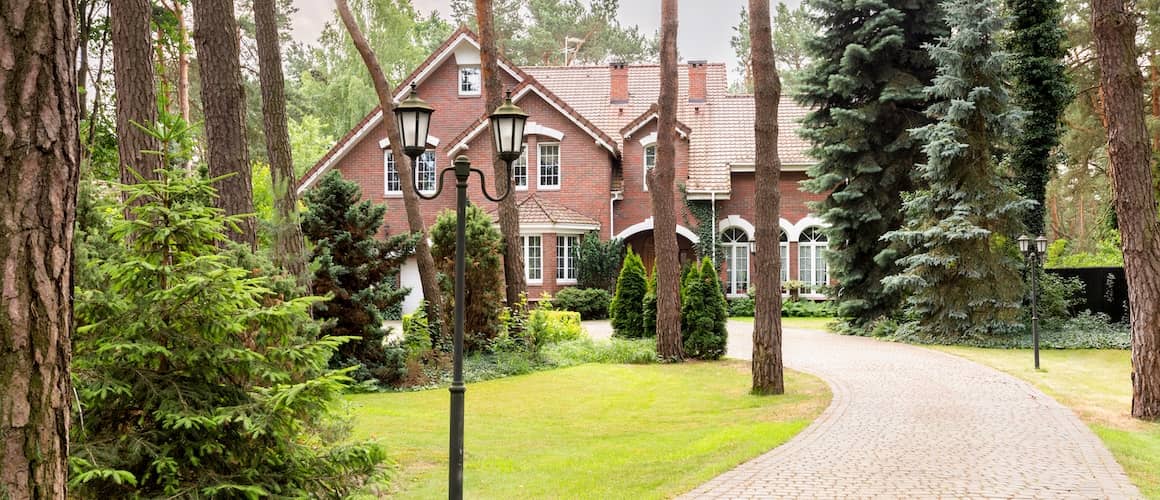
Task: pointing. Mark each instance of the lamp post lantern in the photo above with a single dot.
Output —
(1034, 250)
(507, 123)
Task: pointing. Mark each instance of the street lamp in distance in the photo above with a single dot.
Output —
(1033, 250)
(507, 124)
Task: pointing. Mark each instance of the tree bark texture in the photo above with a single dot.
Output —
(1129, 158)
(289, 243)
(660, 182)
(767, 363)
(136, 92)
(427, 270)
(224, 105)
(509, 215)
(39, 169)
(182, 61)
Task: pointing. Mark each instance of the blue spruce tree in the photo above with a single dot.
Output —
(866, 87)
(961, 271)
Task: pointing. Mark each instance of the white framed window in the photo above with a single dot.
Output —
(566, 247)
(392, 185)
(548, 160)
(424, 173)
(783, 246)
(470, 80)
(520, 170)
(533, 258)
(812, 269)
(650, 161)
(736, 245)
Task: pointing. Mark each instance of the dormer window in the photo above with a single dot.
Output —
(470, 80)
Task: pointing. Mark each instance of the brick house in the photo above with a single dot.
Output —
(590, 137)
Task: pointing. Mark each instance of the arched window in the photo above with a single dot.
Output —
(736, 245)
(783, 246)
(812, 270)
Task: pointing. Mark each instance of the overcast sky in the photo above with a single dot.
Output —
(705, 25)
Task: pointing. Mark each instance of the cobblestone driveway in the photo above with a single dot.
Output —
(908, 422)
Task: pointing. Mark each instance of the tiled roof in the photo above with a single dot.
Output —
(721, 127)
(536, 210)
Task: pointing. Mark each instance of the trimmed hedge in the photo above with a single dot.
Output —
(549, 327)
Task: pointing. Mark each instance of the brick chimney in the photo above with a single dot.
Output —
(697, 90)
(618, 93)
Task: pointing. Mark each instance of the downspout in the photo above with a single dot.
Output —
(612, 215)
(713, 239)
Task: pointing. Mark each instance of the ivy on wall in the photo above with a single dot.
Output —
(702, 212)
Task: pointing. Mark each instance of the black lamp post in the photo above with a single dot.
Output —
(507, 122)
(1034, 253)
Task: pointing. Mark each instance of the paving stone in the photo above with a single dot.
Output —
(908, 422)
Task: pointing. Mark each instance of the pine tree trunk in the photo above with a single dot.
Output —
(39, 169)
(224, 104)
(136, 94)
(1129, 158)
(427, 270)
(289, 244)
(182, 61)
(767, 362)
(509, 216)
(661, 188)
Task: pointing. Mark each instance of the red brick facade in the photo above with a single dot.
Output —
(598, 180)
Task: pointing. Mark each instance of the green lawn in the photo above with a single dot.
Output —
(821, 324)
(592, 431)
(1097, 385)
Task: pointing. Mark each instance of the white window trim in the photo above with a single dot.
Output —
(644, 163)
(527, 161)
(567, 281)
(387, 193)
(741, 248)
(559, 167)
(525, 248)
(459, 80)
(815, 250)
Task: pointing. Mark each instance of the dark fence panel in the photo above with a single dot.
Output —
(1104, 290)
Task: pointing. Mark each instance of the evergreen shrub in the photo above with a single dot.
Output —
(194, 378)
(358, 272)
(649, 307)
(550, 327)
(703, 313)
(591, 303)
(484, 294)
(625, 310)
(598, 262)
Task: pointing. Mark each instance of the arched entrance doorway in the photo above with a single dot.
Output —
(640, 238)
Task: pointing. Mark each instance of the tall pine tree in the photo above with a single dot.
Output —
(866, 86)
(961, 271)
(1042, 89)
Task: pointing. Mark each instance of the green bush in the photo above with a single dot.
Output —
(806, 309)
(591, 303)
(1056, 297)
(483, 296)
(358, 271)
(743, 307)
(703, 313)
(1107, 253)
(195, 378)
(598, 262)
(613, 351)
(550, 327)
(649, 307)
(625, 310)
